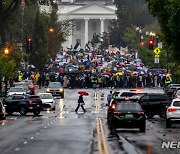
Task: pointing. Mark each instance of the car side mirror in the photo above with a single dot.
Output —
(106, 104)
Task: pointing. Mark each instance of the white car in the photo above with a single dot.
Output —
(47, 101)
(173, 113)
(16, 91)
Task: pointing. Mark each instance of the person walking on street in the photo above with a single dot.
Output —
(80, 103)
(109, 97)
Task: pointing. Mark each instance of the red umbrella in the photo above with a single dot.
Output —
(84, 93)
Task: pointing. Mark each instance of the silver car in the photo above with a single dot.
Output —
(173, 113)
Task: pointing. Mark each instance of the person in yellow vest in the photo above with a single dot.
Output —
(168, 80)
(20, 77)
(94, 82)
(37, 77)
(100, 82)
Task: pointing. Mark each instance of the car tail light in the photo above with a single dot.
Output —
(30, 101)
(117, 113)
(113, 106)
(126, 98)
(171, 109)
(140, 113)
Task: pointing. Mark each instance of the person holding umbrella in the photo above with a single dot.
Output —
(80, 103)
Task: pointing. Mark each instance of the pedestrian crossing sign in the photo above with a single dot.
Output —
(157, 51)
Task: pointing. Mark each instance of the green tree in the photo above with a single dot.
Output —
(168, 16)
(131, 12)
(7, 7)
(38, 56)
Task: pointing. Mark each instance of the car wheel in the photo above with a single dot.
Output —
(150, 116)
(162, 113)
(3, 118)
(143, 128)
(168, 123)
(22, 110)
(53, 108)
(62, 95)
(36, 112)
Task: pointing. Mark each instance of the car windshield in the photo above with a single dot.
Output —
(24, 86)
(176, 103)
(129, 107)
(178, 92)
(45, 96)
(16, 89)
(28, 82)
(54, 84)
(34, 97)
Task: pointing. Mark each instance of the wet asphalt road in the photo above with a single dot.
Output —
(66, 132)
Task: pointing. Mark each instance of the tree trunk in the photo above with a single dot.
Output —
(2, 32)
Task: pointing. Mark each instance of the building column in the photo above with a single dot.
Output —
(70, 40)
(86, 31)
(102, 25)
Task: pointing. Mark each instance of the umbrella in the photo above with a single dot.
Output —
(84, 93)
(119, 73)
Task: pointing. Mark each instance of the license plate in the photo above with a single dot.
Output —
(128, 115)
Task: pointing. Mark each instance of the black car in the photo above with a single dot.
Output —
(128, 93)
(2, 111)
(154, 104)
(56, 89)
(23, 104)
(126, 114)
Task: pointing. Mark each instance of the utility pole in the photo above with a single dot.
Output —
(22, 20)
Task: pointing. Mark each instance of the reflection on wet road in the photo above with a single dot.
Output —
(64, 131)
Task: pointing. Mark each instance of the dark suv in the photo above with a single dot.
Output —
(126, 114)
(154, 104)
(23, 104)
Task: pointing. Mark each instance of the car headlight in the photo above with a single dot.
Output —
(61, 89)
(47, 90)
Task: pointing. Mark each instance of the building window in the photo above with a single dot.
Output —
(94, 25)
(78, 25)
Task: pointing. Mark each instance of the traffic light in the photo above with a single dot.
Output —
(151, 44)
(28, 45)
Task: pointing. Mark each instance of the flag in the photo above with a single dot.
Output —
(87, 47)
(77, 46)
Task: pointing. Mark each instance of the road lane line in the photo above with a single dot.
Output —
(103, 138)
(98, 136)
(102, 143)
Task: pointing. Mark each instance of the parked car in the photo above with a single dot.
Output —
(173, 113)
(23, 104)
(56, 89)
(2, 111)
(25, 86)
(47, 101)
(154, 104)
(126, 114)
(16, 90)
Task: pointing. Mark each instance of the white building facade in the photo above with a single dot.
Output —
(88, 17)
